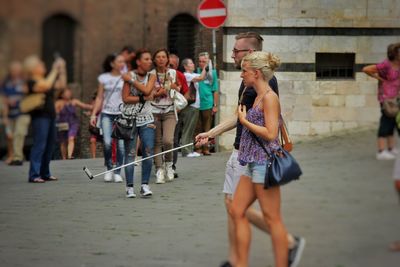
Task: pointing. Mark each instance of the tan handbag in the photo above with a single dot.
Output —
(32, 102)
(390, 107)
(286, 142)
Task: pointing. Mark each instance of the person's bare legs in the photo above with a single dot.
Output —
(395, 246)
(93, 147)
(10, 150)
(63, 148)
(381, 143)
(391, 142)
(231, 231)
(242, 200)
(71, 146)
(270, 202)
(256, 218)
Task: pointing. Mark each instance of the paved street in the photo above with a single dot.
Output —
(344, 205)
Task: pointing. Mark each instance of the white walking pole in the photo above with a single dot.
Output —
(91, 176)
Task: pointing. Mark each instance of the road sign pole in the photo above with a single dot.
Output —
(214, 46)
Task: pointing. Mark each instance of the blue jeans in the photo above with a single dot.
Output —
(106, 126)
(146, 134)
(44, 138)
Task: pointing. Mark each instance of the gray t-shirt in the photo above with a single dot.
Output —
(112, 93)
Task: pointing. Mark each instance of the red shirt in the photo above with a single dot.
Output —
(182, 81)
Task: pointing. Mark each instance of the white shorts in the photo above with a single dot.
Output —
(232, 173)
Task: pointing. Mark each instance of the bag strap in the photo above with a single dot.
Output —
(261, 144)
(285, 139)
(115, 86)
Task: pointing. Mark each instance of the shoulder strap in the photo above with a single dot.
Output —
(260, 143)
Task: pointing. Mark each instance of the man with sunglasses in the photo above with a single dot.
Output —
(245, 43)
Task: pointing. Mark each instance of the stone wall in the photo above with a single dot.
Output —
(296, 31)
(103, 27)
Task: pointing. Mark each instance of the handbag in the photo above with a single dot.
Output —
(390, 107)
(191, 94)
(32, 102)
(62, 126)
(180, 101)
(282, 168)
(124, 126)
(94, 130)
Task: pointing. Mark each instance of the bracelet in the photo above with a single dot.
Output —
(141, 99)
(93, 116)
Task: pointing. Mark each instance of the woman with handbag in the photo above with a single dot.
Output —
(108, 100)
(137, 96)
(68, 121)
(43, 117)
(164, 114)
(262, 120)
(388, 75)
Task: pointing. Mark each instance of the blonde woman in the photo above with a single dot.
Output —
(43, 119)
(263, 121)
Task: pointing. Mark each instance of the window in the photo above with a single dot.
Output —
(335, 65)
(58, 39)
(182, 35)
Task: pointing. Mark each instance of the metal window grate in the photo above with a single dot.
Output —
(335, 65)
(58, 38)
(182, 35)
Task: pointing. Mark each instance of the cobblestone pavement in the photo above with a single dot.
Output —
(344, 205)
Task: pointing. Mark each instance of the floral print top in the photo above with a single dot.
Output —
(250, 150)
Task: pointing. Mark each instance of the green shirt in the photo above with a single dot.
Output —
(206, 91)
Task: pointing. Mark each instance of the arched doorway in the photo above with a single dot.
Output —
(183, 35)
(59, 39)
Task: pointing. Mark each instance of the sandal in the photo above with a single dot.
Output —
(51, 178)
(395, 246)
(37, 180)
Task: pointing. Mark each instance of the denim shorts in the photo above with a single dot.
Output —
(256, 172)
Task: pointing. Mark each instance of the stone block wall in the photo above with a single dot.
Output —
(296, 31)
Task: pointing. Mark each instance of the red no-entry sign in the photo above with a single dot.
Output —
(212, 13)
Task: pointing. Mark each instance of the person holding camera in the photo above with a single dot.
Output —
(43, 118)
(190, 114)
(209, 95)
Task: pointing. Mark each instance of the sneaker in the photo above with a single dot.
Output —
(296, 252)
(145, 191)
(108, 177)
(193, 155)
(130, 193)
(19, 163)
(118, 178)
(226, 264)
(384, 155)
(393, 151)
(169, 171)
(160, 177)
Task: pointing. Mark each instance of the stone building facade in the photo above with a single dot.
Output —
(85, 31)
(323, 46)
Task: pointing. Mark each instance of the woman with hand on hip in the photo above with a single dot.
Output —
(263, 121)
(108, 100)
(388, 75)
